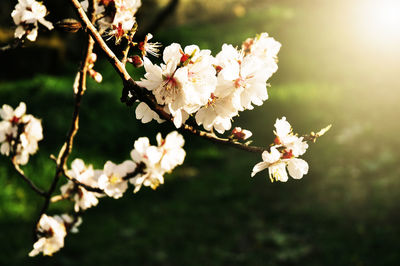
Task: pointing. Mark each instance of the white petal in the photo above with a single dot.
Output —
(259, 167)
(297, 168)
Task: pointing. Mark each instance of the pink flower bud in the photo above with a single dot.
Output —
(136, 61)
(241, 134)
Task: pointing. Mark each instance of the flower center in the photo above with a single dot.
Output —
(114, 179)
(170, 83)
(211, 100)
(14, 120)
(239, 82)
(118, 30)
(287, 154)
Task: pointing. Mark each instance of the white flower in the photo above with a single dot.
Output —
(52, 233)
(167, 81)
(84, 174)
(26, 16)
(145, 114)
(128, 5)
(19, 131)
(123, 18)
(148, 47)
(71, 223)
(171, 147)
(241, 74)
(265, 48)
(9, 114)
(297, 168)
(112, 182)
(285, 137)
(252, 83)
(276, 164)
(218, 112)
(201, 76)
(184, 82)
(287, 147)
(7, 133)
(33, 133)
(156, 160)
(179, 116)
(150, 156)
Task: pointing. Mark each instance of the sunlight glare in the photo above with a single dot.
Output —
(381, 19)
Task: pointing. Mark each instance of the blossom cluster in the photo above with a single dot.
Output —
(51, 232)
(26, 15)
(147, 167)
(19, 133)
(284, 153)
(116, 17)
(191, 81)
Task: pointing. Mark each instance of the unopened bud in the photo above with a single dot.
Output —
(93, 58)
(247, 45)
(69, 25)
(241, 134)
(106, 2)
(98, 77)
(136, 61)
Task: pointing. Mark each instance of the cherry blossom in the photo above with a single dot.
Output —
(19, 133)
(156, 160)
(111, 180)
(145, 114)
(285, 137)
(147, 47)
(265, 48)
(85, 174)
(26, 16)
(51, 232)
(276, 163)
(283, 154)
(150, 156)
(171, 147)
(184, 82)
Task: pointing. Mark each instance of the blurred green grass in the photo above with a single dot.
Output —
(210, 212)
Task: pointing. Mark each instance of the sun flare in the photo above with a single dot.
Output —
(380, 19)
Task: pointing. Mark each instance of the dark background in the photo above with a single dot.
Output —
(338, 65)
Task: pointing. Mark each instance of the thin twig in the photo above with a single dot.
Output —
(67, 147)
(87, 187)
(129, 43)
(28, 181)
(125, 53)
(141, 95)
(138, 170)
(13, 45)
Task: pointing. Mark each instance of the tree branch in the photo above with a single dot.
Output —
(14, 44)
(141, 95)
(87, 187)
(79, 91)
(28, 181)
